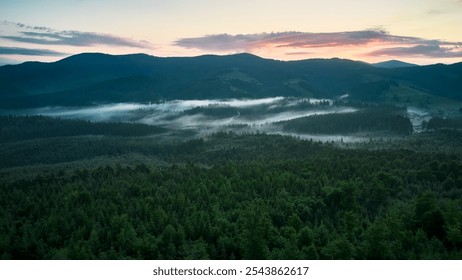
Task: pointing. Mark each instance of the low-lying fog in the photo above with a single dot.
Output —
(176, 113)
(207, 116)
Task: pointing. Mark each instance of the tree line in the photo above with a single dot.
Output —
(17, 128)
(374, 119)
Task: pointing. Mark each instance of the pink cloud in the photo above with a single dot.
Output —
(435, 51)
(382, 43)
(298, 53)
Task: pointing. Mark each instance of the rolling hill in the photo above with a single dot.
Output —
(101, 78)
(393, 64)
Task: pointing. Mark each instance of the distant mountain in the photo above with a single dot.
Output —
(6, 61)
(390, 64)
(100, 78)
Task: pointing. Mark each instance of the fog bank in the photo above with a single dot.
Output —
(203, 117)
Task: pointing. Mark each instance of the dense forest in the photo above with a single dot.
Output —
(444, 123)
(372, 119)
(16, 128)
(228, 196)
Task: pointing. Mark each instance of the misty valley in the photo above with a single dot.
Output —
(307, 118)
(232, 157)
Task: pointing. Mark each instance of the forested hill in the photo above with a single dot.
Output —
(92, 77)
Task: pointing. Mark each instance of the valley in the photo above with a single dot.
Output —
(229, 157)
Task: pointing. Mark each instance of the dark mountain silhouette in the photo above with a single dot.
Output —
(393, 64)
(101, 78)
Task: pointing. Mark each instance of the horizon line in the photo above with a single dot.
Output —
(218, 55)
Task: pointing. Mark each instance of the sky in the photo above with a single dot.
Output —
(415, 31)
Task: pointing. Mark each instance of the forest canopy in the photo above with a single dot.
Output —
(229, 196)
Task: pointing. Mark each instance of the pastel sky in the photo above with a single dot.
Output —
(417, 31)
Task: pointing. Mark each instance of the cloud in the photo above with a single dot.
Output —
(75, 38)
(31, 52)
(42, 35)
(386, 43)
(287, 39)
(298, 53)
(223, 42)
(435, 51)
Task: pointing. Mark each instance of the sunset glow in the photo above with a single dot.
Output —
(422, 32)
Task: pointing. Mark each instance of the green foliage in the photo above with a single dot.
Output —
(17, 128)
(440, 123)
(373, 119)
(295, 200)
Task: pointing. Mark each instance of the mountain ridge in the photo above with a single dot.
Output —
(391, 64)
(89, 78)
